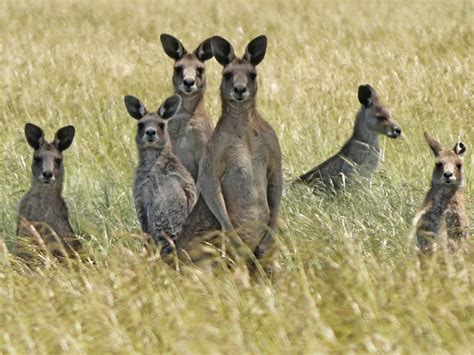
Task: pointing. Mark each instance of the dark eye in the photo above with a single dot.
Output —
(253, 76)
(459, 166)
(381, 118)
(141, 125)
(58, 161)
(439, 165)
(200, 70)
(178, 70)
(227, 76)
(161, 125)
(37, 159)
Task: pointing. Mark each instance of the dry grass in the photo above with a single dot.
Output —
(350, 281)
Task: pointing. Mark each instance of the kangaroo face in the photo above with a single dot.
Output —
(449, 165)
(189, 75)
(239, 77)
(47, 165)
(152, 130)
(376, 116)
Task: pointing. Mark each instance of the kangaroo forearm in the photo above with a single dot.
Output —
(215, 201)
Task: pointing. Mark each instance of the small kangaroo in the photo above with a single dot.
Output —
(42, 212)
(444, 203)
(164, 191)
(361, 154)
(240, 179)
(191, 127)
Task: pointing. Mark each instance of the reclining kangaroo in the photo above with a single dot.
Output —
(240, 179)
(361, 154)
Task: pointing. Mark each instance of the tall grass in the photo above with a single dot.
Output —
(350, 280)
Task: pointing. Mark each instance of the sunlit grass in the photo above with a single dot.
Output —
(350, 279)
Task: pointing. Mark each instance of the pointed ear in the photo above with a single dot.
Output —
(34, 135)
(204, 50)
(64, 137)
(134, 107)
(366, 95)
(460, 148)
(169, 108)
(435, 146)
(222, 50)
(172, 46)
(255, 50)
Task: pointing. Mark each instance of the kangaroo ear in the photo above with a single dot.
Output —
(34, 135)
(460, 148)
(367, 95)
(169, 108)
(172, 46)
(64, 137)
(222, 50)
(204, 50)
(134, 107)
(255, 50)
(435, 146)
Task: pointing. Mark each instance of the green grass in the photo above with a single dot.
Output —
(350, 280)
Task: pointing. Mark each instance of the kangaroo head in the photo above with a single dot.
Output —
(189, 75)
(152, 130)
(376, 116)
(47, 165)
(449, 166)
(239, 78)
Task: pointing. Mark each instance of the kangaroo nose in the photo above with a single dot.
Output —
(240, 89)
(150, 132)
(188, 82)
(47, 174)
(448, 174)
(397, 131)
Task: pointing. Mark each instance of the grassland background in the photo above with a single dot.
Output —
(350, 280)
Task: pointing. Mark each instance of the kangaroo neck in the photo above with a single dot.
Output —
(48, 190)
(241, 112)
(191, 103)
(151, 157)
(441, 197)
(364, 134)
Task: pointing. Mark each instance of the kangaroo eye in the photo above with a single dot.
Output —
(37, 159)
(381, 118)
(253, 76)
(141, 125)
(227, 76)
(178, 70)
(459, 166)
(439, 165)
(200, 70)
(161, 125)
(58, 161)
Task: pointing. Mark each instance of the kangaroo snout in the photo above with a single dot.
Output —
(240, 92)
(395, 132)
(449, 177)
(47, 176)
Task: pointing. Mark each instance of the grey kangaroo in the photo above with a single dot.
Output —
(361, 154)
(43, 215)
(164, 191)
(444, 209)
(240, 179)
(191, 127)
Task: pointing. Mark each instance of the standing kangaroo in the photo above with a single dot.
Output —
(361, 154)
(444, 203)
(240, 179)
(43, 214)
(164, 191)
(191, 128)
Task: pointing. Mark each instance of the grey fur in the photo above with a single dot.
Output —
(361, 154)
(164, 191)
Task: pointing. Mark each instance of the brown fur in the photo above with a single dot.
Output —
(43, 218)
(443, 212)
(241, 176)
(191, 127)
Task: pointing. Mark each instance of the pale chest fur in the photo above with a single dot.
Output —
(362, 158)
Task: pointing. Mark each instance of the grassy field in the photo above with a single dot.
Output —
(350, 281)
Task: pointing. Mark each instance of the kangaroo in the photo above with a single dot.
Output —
(164, 191)
(361, 154)
(444, 202)
(191, 128)
(240, 179)
(43, 214)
